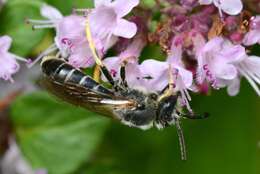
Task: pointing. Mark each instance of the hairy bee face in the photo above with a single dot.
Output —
(143, 114)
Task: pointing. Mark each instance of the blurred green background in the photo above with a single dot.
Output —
(69, 140)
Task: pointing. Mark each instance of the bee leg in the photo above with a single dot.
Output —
(96, 74)
(181, 138)
(107, 75)
(123, 77)
(168, 115)
(191, 115)
(96, 57)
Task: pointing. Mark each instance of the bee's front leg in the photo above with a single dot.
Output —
(123, 81)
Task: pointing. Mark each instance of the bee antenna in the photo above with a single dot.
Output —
(195, 116)
(181, 140)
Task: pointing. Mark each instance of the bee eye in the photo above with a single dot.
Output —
(154, 96)
(141, 106)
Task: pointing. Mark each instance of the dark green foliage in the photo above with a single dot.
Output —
(55, 135)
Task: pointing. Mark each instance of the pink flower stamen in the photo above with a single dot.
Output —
(49, 50)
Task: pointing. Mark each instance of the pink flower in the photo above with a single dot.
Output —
(72, 42)
(70, 36)
(182, 78)
(106, 24)
(8, 63)
(249, 68)
(106, 19)
(150, 76)
(231, 7)
(253, 36)
(129, 56)
(215, 61)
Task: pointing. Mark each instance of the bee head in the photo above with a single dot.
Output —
(144, 114)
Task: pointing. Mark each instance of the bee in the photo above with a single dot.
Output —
(131, 107)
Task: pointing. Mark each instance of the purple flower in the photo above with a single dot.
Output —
(8, 63)
(72, 42)
(106, 24)
(253, 36)
(215, 61)
(70, 36)
(106, 19)
(231, 7)
(151, 75)
(223, 64)
(182, 78)
(249, 68)
(129, 56)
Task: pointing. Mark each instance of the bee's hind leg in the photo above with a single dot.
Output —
(181, 138)
(96, 57)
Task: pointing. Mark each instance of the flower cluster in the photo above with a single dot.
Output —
(8, 61)
(206, 43)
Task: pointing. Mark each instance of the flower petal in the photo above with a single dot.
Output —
(235, 53)
(102, 2)
(133, 77)
(125, 29)
(123, 7)
(213, 44)
(226, 71)
(8, 66)
(186, 76)
(113, 66)
(231, 7)
(102, 22)
(253, 65)
(71, 27)
(50, 12)
(233, 87)
(5, 43)
(81, 56)
(252, 37)
(176, 50)
(155, 74)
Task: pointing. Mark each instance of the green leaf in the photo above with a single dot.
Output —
(13, 23)
(55, 135)
(152, 52)
(148, 3)
(66, 8)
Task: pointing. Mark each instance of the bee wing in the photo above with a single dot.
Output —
(90, 99)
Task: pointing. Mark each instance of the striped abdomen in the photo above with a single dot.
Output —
(60, 71)
(73, 86)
